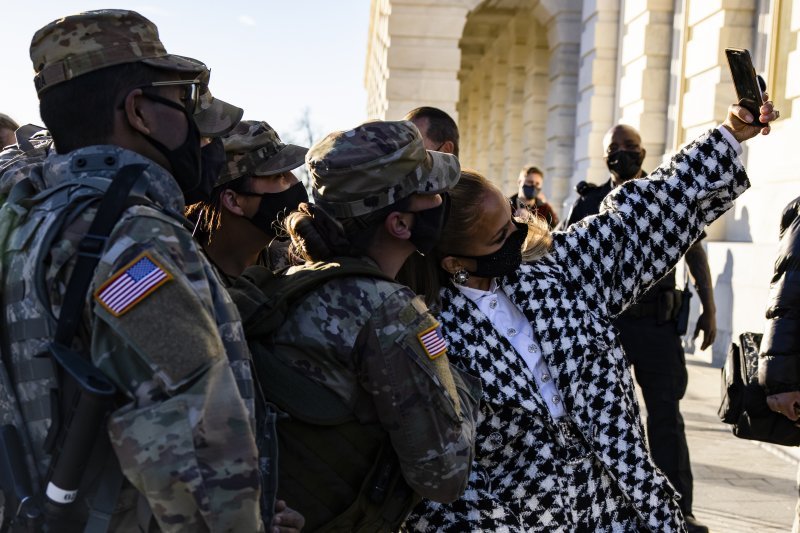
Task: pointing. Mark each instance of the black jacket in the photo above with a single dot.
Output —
(779, 364)
(587, 203)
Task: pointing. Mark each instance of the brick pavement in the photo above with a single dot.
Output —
(739, 485)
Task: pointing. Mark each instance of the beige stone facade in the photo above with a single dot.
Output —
(541, 81)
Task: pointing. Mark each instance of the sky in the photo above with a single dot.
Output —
(273, 58)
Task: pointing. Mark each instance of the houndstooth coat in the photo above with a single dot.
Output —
(595, 269)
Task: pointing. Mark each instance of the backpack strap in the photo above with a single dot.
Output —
(113, 204)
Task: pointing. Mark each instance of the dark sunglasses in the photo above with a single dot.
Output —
(191, 92)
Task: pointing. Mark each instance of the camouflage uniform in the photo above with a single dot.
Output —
(372, 342)
(183, 428)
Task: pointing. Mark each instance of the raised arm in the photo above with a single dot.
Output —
(646, 225)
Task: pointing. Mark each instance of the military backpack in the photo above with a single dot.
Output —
(320, 440)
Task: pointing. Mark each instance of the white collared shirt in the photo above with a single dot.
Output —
(512, 324)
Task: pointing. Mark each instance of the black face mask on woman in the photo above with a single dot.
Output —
(185, 159)
(503, 261)
(274, 206)
(428, 225)
(212, 157)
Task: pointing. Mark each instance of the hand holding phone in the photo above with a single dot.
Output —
(749, 87)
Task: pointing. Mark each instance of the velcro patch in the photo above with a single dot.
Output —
(432, 341)
(131, 284)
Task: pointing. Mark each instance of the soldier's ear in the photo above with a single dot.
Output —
(132, 107)
(399, 224)
(229, 201)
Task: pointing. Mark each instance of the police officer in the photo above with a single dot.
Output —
(182, 428)
(648, 329)
(378, 417)
(239, 225)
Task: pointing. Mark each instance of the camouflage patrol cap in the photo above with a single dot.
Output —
(78, 44)
(254, 149)
(376, 164)
(215, 117)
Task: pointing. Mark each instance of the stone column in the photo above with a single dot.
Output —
(512, 121)
(534, 99)
(497, 69)
(413, 56)
(563, 23)
(597, 82)
(645, 69)
(712, 26)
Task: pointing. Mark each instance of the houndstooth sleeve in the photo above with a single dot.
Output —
(646, 225)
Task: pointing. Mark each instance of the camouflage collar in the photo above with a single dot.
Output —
(105, 161)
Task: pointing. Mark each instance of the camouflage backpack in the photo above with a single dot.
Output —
(314, 419)
(21, 466)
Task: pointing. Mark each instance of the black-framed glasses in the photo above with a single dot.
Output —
(191, 93)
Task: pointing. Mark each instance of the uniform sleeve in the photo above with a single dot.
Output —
(428, 407)
(184, 438)
(646, 225)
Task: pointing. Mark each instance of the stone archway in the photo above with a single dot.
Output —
(518, 90)
(506, 70)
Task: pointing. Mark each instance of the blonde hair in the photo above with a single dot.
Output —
(424, 274)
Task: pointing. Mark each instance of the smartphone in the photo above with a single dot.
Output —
(749, 86)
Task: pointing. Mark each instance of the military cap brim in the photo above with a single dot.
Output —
(288, 158)
(218, 118)
(435, 173)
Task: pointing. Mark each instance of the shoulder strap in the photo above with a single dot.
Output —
(114, 202)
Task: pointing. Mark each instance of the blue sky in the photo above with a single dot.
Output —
(274, 58)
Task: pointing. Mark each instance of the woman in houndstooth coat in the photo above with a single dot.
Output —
(560, 445)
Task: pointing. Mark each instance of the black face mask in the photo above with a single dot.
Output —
(624, 164)
(212, 157)
(530, 191)
(185, 159)
(503, 261)
(274, 206)
(428, 225)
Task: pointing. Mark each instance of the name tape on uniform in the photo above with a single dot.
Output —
(433, 342)
(132, 284)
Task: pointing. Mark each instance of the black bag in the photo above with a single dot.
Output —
(744, 401)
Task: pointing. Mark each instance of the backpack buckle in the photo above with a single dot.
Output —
(92, 245)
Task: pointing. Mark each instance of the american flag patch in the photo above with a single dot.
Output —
(433, 342)
(131, 284)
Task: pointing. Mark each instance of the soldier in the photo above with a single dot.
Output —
(238, 226)
(648, 328)
(24, 159)
(378, 415)
(158, 324)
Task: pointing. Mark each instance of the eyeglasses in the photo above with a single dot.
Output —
(191, 93)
